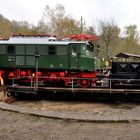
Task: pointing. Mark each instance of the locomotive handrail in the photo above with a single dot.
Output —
(46, 77)
(51, 77)
(107, 81)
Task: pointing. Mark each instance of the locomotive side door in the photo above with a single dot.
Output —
(11, 55)
(73, 55)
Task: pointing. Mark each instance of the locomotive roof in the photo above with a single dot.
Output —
(36, 40)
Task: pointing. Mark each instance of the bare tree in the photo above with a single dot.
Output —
(90, 30)
(109, 32)
(131, 35)
(5, 29)
(58, 23)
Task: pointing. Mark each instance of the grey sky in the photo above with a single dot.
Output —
(124, 12)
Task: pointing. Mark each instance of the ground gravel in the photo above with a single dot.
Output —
(14, 126)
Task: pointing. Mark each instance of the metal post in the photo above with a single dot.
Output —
(13, 81)
(36, 72)
(31, 82)
(72, 83)
(36, 59)
(110, 84)
(72, 86)
(81, 28)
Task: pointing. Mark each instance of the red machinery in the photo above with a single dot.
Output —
(83, 37)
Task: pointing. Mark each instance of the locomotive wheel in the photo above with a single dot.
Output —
(85, 83)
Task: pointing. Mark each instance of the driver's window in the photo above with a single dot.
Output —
(87, 49)
(73, 51)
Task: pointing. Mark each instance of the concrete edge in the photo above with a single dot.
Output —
(53, 115)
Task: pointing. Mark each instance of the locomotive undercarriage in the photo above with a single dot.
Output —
(30, 77)
(77, 79)
(83, 81)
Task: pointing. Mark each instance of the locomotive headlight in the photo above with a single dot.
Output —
(33, 74)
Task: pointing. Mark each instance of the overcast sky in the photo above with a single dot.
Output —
(124, 12)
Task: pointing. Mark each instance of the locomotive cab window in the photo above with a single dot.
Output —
(74, 53)
(51, 50)
(83, 49)
(89, 49)
(11, 50)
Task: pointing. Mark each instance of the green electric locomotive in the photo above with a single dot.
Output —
(53, 62)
